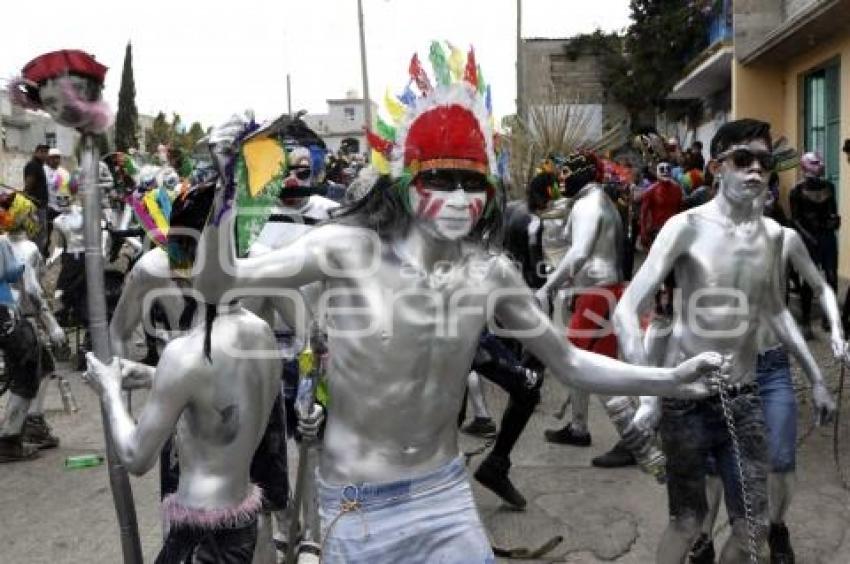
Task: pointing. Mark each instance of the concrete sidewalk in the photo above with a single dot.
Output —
(52, 515)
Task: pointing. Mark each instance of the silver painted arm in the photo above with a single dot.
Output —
(584, 229)
(305, 260)
(795, 251)
(33, 289)
(130, 308)
(777, 315)
(516, 311)
(626, 319)
(138, 445)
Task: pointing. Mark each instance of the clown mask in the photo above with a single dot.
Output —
(448, 203)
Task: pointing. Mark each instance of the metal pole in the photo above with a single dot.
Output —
(367, 103)
(520, 110)
(122, 495)
(288, 95)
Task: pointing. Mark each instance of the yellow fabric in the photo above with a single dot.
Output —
(265, 160)
(394, 107)
(156, 212)
(457, 62)
(380, 163)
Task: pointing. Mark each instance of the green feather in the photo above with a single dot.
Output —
(385, 130)
(440, 64)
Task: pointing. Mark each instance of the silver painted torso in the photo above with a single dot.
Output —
(594, 212)
(28, 292)
(721, 256)
(222, 424)
(70, 224)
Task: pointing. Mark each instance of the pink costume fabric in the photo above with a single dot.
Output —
(175, 513)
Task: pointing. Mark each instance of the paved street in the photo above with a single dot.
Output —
(52, 515)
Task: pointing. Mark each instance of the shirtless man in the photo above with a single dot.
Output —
(776, 390)
(591, 270)
(219, 405)
(726, 258)
(399, 356)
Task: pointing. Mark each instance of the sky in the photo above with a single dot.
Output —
(207, 60)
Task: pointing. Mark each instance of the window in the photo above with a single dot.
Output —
(50, 138)
(822, 118)
(349, 113)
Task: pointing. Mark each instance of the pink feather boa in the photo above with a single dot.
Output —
(175, 513)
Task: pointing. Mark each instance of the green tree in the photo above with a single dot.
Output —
(640, 66)
(127, 120)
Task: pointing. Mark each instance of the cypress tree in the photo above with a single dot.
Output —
(127, 120)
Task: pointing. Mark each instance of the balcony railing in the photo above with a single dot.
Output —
(720, 24)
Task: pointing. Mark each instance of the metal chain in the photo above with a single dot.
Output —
(745, 494)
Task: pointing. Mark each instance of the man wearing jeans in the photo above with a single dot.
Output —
(727, 261)
(410, 289)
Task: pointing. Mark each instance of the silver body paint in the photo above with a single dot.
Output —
(396, 374)
(219, 409)
(28, 292)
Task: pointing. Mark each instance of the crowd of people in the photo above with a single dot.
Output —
(414, 280)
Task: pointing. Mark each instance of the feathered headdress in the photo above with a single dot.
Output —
(448, 125)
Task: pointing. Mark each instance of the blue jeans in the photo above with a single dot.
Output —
(430, 518)
(780, 408)
(694, 431)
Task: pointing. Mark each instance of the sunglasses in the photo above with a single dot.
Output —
(302, 173)
(449, 180)
(743, 157)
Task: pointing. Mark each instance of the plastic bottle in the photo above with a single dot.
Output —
(68, 400)
(641, 444)
(83, 461)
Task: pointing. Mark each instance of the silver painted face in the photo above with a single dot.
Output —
(447, 208)
(741, 184)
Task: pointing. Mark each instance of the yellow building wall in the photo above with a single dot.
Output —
(773, 94)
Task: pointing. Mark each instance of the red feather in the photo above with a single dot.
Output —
(418, 74)
(470, 74)
(379, 143)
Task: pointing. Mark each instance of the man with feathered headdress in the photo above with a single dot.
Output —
(410, 286)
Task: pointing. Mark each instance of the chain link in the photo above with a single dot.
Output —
(745, 493)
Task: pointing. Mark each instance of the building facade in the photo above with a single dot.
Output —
(707, 81)
(344, 122)
(20, 131)
(792, 68)
(555, 72)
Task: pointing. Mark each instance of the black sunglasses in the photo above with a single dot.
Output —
(302, 173)
(448, 180)
(744, 157)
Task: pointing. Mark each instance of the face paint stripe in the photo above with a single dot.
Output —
(434, 208)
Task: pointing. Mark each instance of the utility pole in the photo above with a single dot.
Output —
(520, 109)
(367, 103)
(288, 95)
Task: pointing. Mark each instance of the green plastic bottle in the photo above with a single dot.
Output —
(83, 461)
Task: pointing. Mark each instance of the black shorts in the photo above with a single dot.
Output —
(222, 545)
(20, 348)
(694, 431)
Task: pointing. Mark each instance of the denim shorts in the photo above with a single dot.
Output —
(430, 518)
(692, 431)
(776, 391)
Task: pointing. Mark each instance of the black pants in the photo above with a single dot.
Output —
(190, 545)
(20, 348)
(495, 361)
(268, 467)
(824, 254)
(72, 282)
